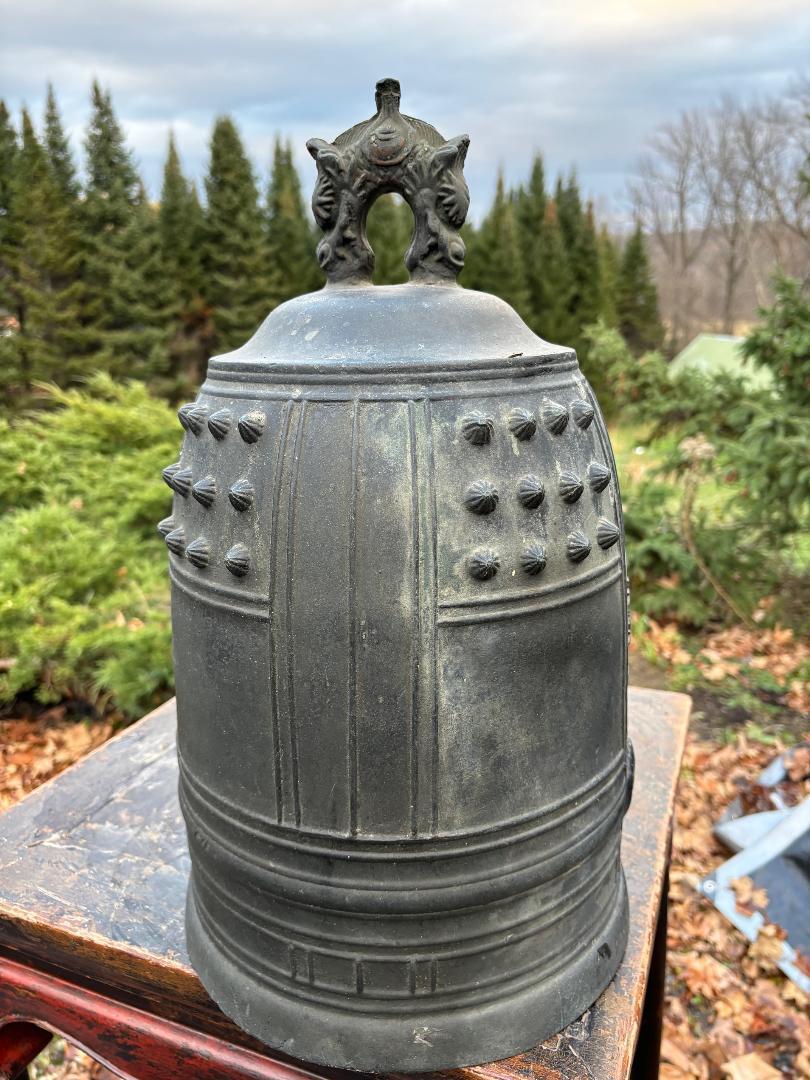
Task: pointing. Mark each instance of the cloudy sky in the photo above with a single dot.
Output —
(584, 81)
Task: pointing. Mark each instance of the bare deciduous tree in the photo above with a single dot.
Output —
(774, 141)
(669, 197)
(724, 197)
(729, 189)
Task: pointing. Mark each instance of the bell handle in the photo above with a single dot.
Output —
(390, 152)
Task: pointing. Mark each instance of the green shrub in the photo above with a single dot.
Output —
(718, 524)
(685, 541)
(782, 341)
(632, 386)
(84, 608)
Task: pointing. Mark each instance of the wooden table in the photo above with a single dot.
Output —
(93, 869)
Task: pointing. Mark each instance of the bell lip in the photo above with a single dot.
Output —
(511, 1024)
(389, 331)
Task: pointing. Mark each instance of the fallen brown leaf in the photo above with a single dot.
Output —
(675, 1055)
(750, 1067)
(747, 897)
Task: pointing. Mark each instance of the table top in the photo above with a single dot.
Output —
(94, 864)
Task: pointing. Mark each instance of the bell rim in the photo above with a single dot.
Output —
(510, 1024)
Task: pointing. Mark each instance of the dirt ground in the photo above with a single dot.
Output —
(729, 1012)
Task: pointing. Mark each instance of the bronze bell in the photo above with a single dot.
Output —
(400, 637)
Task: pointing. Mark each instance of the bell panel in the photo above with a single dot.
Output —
(384, 706)
(522, 485)
(519, 722)
(224, 736)
(226, 503)
(220, 555)
(312, 626)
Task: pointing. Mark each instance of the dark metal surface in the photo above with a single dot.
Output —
(390, 153)
(93, 874)
(400, 647)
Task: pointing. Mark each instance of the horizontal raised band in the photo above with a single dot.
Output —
(462, 994)
(459, 934)
(460, 843)
(385, 888)
(509, 607)
(340, 372)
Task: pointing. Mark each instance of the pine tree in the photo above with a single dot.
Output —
(58, 150)
(42, 286)
(111, 174)
(389, 229)
(9, 151)
(609, 274)
(548, 271)
(181, 228)
(578, 231)
(587, 272)
(233, 256)
(146, 305)
(291, 262)
(532, 201)
(497, 266)
(125, 324)
(553, 319)
(530, 211)
(181, 224)
(569, 210)
(637, 298)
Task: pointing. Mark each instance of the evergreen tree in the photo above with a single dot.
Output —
(637, 298)
(569, 210)
(578, 232)
(233, 256)
(181, 228)
(145, 303)
(389, 229)
(41, 288)
(532, 201)
(58, 150)
(9, 151)
(530, 210)
(554, 321)
(609, 275)
(125, 324)
(587, 272)
(181, 223)
(497, 266)
(291, 263)
(111, 173)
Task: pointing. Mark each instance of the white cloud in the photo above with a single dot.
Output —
(581, 80)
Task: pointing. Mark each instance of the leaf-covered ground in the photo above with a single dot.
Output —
(729, 1012)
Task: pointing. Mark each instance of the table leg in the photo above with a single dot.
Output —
(647, 1058)
(132, 1043)
(20, 1043)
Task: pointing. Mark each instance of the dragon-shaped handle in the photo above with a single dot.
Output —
(390, 153)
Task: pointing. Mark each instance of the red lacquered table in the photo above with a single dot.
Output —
(93, 869)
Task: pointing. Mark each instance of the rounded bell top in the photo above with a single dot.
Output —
(352, 328)
(394, 330)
